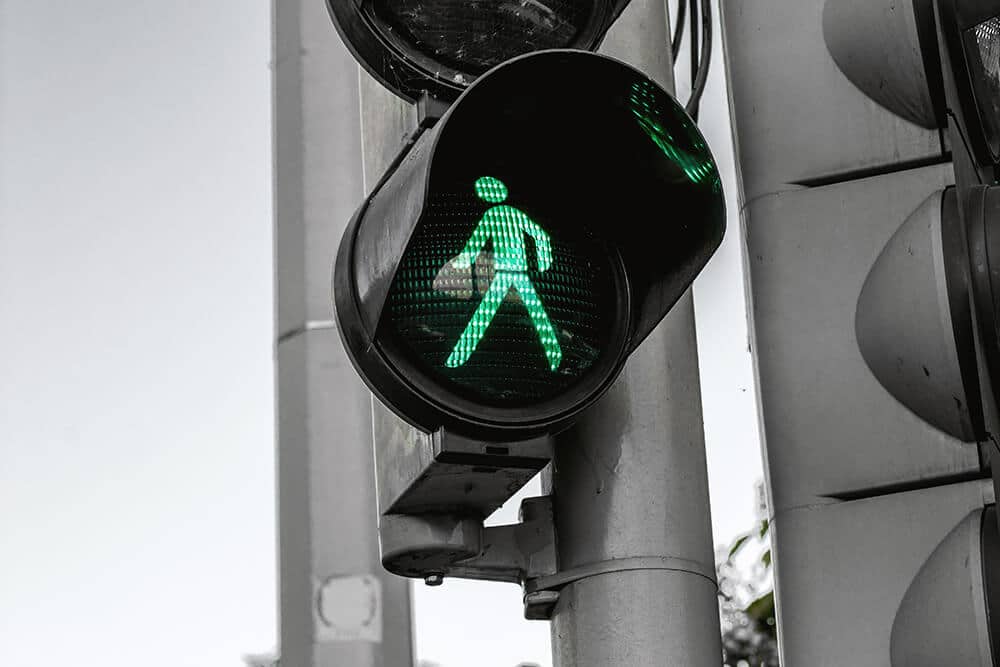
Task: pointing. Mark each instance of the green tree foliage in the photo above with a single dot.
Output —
(746, 601)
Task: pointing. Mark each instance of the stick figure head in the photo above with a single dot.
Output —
(491, 189)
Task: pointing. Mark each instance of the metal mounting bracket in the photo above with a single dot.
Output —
(434, 492)
(435, 546)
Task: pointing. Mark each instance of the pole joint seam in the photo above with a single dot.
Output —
(566, 577)
(308, 325)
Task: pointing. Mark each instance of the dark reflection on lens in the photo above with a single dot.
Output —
(474, 35)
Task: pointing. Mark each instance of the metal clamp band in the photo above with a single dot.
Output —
(560, 579)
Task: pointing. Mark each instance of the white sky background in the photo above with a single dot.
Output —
(136, 379)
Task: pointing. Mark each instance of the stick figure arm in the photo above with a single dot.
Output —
(543, 247)
(474, 246)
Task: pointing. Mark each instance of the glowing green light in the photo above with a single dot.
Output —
(646, 109)
(506, 227)
(491, 189)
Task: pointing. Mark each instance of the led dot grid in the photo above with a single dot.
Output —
(491, 189)
(472, 305)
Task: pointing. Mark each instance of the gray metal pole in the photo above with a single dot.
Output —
(338, 606)
(630, 484)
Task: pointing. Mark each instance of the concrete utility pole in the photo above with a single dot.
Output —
(629, 481)
(338, 606)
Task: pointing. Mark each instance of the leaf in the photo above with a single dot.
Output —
(766, 558)
(762, 608)
(737, 545)
(761, 613)
(764, 526)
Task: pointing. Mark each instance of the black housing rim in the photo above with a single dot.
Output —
(409, 73)
(957, 16)
(982, 207)
(957, 280)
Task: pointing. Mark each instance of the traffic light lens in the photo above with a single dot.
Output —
(496, 305)
(474, 35)
(982, 45)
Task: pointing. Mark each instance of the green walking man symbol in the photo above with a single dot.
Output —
(506, 226)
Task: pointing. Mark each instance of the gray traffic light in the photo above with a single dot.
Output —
(873, 308)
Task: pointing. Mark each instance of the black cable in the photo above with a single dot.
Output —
(701, 76)
(675, 43)
(693, 41)
(965, 143)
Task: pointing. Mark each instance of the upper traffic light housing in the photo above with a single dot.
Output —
(970, 34)
(440, 47)
(926, 61)
(495, 281)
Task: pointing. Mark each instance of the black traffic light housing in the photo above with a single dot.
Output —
(616, 175)
(440, 47)
(969, 33)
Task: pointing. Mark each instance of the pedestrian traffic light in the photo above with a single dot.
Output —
(499, 275)
(439, 47)
(863, 132)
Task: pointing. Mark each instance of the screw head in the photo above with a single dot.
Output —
(434, 579)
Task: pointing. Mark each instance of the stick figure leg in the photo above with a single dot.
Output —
(553, 351)
(481, 319)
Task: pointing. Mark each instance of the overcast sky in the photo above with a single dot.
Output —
(136, 376)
